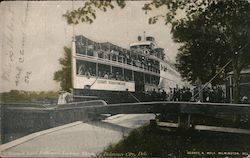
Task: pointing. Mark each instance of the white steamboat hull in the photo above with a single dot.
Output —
(94, 83)
(169, 77)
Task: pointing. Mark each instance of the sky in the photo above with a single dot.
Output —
(34, 33)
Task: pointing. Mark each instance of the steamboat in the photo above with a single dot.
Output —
(115, 74)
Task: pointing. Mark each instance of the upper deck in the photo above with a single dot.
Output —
(147, 58)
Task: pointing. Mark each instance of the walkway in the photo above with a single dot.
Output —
(76, 139)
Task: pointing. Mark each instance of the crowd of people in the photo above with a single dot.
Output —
(174, 94)
(185, 94)
(137, 57)
(116, 75)
(112, 76)
(214, 94)
(104, 72)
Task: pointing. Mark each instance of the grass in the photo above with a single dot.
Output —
(27, 96)
(149, 141)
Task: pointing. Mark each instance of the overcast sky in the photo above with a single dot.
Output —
(33, 37)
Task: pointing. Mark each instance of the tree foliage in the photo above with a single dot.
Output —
(213, 38)
(212, 33)
(64, 75)
(87, 13)
(27, 96)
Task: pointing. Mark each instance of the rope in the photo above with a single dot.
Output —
(134, 97)
(213, 78)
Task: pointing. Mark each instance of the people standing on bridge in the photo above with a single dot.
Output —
(184, 95)
(206, 94)
(245, 100)
(188, 94)
(211, 95)
(158, 95)
(170, 95)
(195, 96)
(182, 91)
(163, 95)
(219, 95)
(214, 95)
(176, 96)
(153, 95)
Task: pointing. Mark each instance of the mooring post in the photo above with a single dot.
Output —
(184, 121)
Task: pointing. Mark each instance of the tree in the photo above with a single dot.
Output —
(208, 36)
(64, 75)
(218, 35)
(213, 33)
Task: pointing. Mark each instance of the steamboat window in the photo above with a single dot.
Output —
(155, 80)
(104, 71)
(117, 73)
(90, 51)
(85, 68)
(147, 78)
(120, 59)
(128, 75)
(80, 49)
(114, 57)
(100, 54)
(150, 39)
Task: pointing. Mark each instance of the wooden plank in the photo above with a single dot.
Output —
(221, 129)
(168, 124)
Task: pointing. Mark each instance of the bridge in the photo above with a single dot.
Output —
(29, 118)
